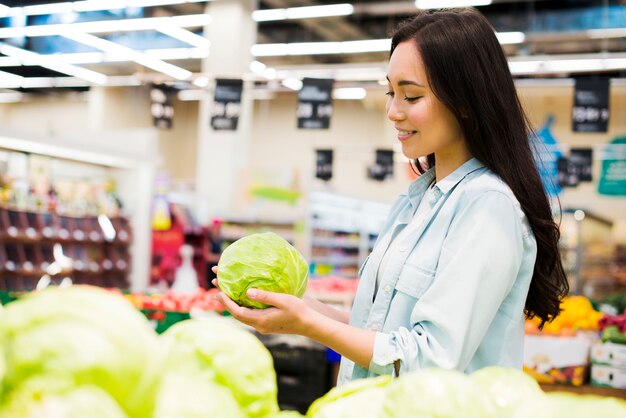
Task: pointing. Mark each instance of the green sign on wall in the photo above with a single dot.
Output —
(613, 176)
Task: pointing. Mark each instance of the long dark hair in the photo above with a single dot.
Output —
(468, 72)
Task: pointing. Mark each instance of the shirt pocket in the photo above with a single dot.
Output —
(363, 266)
(414, 281)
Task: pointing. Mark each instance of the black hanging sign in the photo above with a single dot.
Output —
(591, 105)
(583, 157)
(315, 103)
(324, 164)
(226, 104)
(568, 173)
(383, 167)
(161, 108)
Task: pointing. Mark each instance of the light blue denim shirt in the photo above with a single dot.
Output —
(453, 293)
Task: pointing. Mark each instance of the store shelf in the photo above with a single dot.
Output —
(35, 244)
(236, 228)
(342, 232)
(585, 390)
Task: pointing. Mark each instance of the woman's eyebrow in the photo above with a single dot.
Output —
(406, 82)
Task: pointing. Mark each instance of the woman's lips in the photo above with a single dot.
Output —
(404, 135)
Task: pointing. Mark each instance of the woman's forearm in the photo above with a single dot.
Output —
(324, 309)
(353, 343)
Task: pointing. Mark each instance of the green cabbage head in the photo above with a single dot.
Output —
(263, 261)
(48, 396)
(219, 351)
(570, 405)
(359, 398)
(184, 395)
(436, 393)
(84, 335)
(507, 387)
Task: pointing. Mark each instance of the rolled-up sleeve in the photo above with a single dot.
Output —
(478, 265)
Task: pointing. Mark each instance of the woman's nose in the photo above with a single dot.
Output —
(394, 113)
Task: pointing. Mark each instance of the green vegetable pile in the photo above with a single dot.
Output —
(263, 261)
(492, 392)
(84, 352)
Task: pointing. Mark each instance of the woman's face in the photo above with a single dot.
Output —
(424, 124)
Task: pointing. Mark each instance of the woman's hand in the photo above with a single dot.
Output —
(287, 314)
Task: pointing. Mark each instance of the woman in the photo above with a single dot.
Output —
(472, 247)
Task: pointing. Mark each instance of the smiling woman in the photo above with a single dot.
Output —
(471, 247)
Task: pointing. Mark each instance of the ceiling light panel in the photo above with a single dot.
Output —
(266, 15)
(53, 62)
(87, 6)
(132, 55)
(109, 26)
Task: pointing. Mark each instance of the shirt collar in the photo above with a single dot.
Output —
(419, 187)
(452, 179)
(421, 184)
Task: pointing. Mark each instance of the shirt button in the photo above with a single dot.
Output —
(387, 288)
(402, 249)
(374, 327)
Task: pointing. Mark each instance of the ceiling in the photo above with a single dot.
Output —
(553, 30)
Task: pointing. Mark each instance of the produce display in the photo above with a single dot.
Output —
(493, 392)
(263, 261)
(577, 313)
(86, 352)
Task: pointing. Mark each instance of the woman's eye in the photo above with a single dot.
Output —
(389, 93)
(412, 99)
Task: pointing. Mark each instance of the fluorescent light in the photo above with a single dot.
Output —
(510, 37)
(574, 65)
(185, 36)
(369, 45)
(178, 53)
(343, 9)
(132, 55)
(4, 10)
(319, 48)
(269, 50)
(102, 57)
(269, 15)
(10, 80)
(314, 48)
(307, 12)
(45, 9)
(53, 63)
(88, 5)
(441, 4)
(201, 82)
(109, 26)
(257, 67)
(524, 67)
(191, 95)
(606, 33)
(292, 83)
(349, 93)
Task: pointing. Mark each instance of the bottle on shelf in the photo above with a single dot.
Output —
(186, 278)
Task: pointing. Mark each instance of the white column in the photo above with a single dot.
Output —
(222, 154)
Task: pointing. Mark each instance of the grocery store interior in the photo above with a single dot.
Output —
(140, 138)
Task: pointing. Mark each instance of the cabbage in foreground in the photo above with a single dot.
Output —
(219, 352)
(84, 335)
(508, 387)
(437, 393)
(359, 398)
(262, 261)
